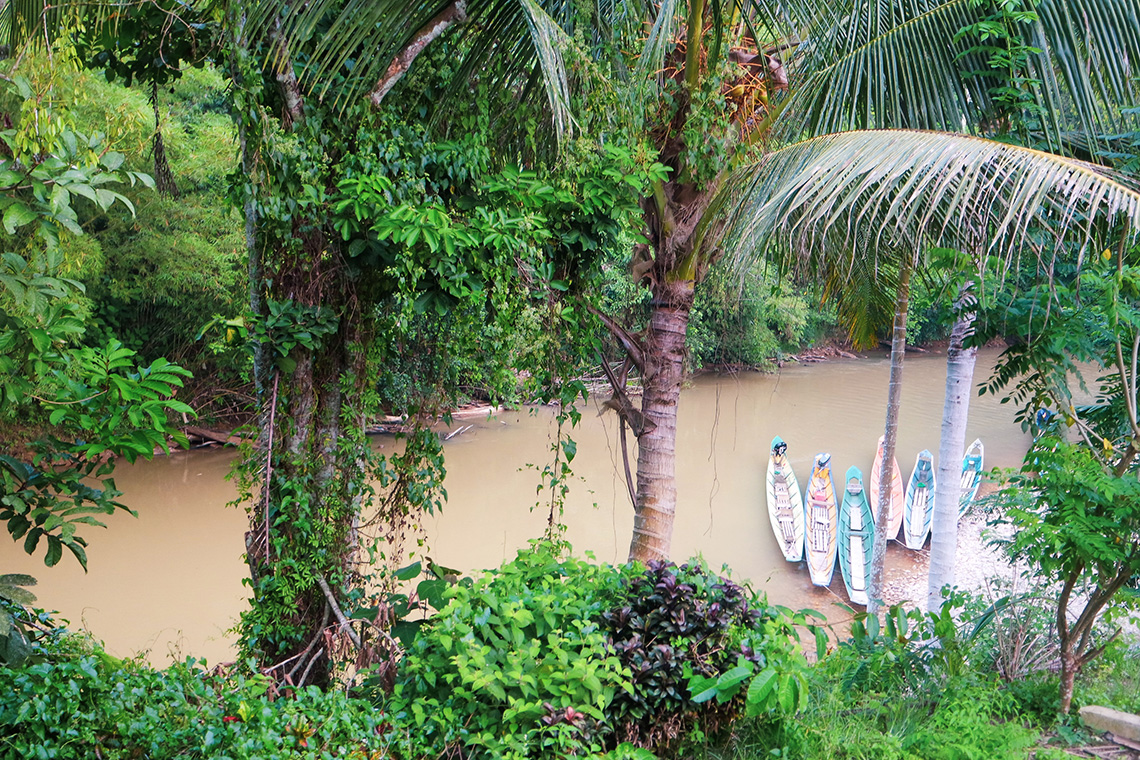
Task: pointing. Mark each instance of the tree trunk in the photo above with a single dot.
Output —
(1070, 664)
(886, 472)
(656, 455)
(948, 488)
(163, 176)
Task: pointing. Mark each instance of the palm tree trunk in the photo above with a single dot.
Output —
(960, 363)
(656, 454)
(886, 472)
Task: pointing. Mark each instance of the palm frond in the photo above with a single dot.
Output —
(863, 289)
(548, 39)
(834, 193)
(22, 21)
(891, 63)
(896, 64)
(1089, 65)
(661, 39)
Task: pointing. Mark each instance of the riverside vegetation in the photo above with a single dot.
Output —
(393, 257)
(550, 656)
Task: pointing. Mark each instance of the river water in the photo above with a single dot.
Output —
(169, 582)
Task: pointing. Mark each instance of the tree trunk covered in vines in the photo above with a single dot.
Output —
(656, 455)
(301, 530)
(305, 473)
(890, 436)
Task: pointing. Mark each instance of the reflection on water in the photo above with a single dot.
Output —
(169, 582)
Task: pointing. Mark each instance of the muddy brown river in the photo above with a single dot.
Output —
(168, 583)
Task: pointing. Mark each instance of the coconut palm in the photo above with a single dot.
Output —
(803, 68)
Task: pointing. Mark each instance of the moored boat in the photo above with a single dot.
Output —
(919, 502)
(895, 507)
(822, 522)
(856, 537)
(785, 504)
(971, 475)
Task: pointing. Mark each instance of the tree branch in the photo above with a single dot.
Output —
(1063, 602)
(1092, 654)
(1097, 601)
(631, 344)
(453, 13)
(614, 403)
(337, 611)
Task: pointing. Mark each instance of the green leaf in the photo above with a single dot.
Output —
(113, 160)
(14, 648)
(702, 689)
(17, 594)
(409, 572)
(17, 579)
(54, 552)
(729, 682)
(41, 341)
(431, 591)
(17, 215)
(788, 693)
(759, 691)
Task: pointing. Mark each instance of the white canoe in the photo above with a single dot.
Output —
(785, 504)
(971, 475)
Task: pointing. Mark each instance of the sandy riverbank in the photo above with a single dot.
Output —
(977, 565)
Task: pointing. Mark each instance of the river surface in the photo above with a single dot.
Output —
(169, 583)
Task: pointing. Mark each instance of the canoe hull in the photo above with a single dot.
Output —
(971, 475)
(785, 503)
(895, 508)
(856, 537)
(821, 517)
(919, 502)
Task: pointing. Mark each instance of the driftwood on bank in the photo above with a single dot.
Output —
(212, 435)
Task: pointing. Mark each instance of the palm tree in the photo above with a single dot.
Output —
(806, 68)
(960, 361)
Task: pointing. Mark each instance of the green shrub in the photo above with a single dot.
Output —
(689, 637)
(971, 723)
(1036, 697)
(1113, 679)
(549, 657)
(748, 318)
(95, 706)
(517, 665)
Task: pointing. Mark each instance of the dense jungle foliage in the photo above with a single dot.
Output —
(223, 241)
(156, 279)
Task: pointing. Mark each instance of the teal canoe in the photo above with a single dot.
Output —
(918, 506)
(856, 537)
(971, 475)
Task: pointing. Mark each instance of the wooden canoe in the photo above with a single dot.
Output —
(971, 475)
(785, 504)
(822, 522)
(856, 537)
(919, 503)
(895, 511)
